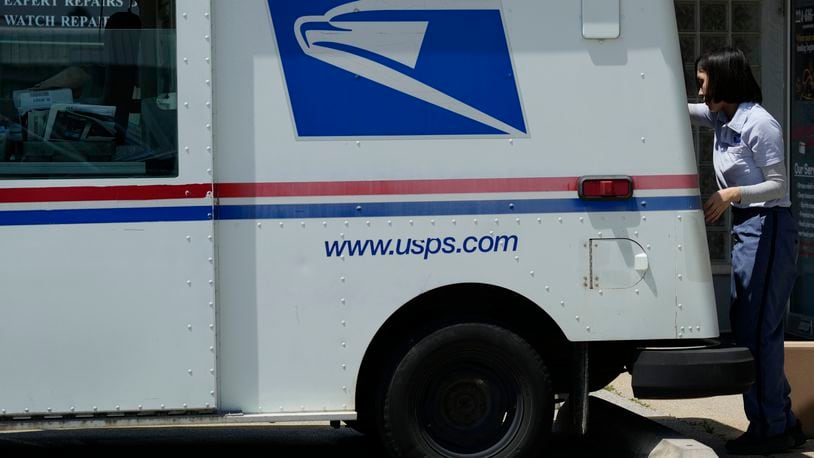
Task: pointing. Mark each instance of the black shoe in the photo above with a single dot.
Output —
(751, 445)
(741, 441)
(797, 435)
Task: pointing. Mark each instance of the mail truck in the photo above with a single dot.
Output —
(429, 220)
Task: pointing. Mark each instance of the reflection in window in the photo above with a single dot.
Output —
(88, 91)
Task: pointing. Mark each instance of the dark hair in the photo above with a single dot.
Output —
(729, 77)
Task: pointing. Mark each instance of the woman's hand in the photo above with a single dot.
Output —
(717, 204)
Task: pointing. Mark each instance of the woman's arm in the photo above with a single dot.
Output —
(773, 188)
(700, 115)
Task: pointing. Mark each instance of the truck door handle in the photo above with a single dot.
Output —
(641, 263)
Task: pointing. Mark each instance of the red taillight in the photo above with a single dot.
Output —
(616, 187)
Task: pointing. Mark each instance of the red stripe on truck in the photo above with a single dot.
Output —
(323, 188)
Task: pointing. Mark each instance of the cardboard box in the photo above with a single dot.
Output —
(800, 372)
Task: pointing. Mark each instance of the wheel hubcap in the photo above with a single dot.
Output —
(470, 409)
(466, 403)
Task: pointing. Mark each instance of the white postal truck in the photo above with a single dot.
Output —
(426, 219)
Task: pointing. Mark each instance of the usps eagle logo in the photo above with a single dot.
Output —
(398, 68)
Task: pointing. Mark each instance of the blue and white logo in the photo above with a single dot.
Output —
(384, 68)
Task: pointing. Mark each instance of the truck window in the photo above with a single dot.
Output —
(88, 91)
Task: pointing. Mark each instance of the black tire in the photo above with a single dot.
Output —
(473, 390)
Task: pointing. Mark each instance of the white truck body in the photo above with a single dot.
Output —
(338, 161)
(296, 300)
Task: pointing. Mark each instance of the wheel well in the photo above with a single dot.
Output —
(469, 302)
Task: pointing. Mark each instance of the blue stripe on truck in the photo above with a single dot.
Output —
(342, 210)
(443, 208)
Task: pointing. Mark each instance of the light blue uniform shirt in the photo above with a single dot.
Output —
(750, 140)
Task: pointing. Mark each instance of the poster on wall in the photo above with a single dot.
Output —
(801, 163)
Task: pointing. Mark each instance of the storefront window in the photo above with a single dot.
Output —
(801, 166)
(704, 25)
(88, 91)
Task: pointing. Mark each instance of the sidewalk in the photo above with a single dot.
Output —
(711, 421)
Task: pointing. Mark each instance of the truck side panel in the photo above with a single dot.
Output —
(327, 226)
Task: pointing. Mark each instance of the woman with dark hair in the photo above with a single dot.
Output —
(749, 166)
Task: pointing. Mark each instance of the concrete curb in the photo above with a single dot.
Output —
(685, 448)
(625, 433)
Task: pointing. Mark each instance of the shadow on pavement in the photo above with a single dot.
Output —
(613, 432)
(274, 440)
(280, 440)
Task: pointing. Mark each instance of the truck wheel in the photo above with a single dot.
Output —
(473, 390)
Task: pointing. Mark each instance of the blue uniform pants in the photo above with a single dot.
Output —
(764, 253)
